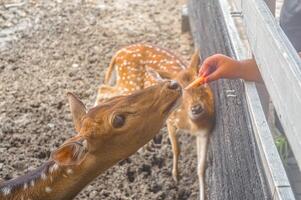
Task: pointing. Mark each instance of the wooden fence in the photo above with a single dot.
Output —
(215, 31)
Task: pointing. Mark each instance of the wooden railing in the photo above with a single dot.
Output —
(280, 67)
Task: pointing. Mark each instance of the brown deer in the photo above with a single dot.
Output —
(107, 134)
(141, 65)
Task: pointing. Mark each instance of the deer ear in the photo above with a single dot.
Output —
(71, 153)
(78, 110)
(154, 74)
(195, 61)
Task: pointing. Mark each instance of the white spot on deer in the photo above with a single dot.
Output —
(43, 176)
(32, 183)
(53, 168)
(25, 186)
(69, 171)
(6, 191)
(48, 189)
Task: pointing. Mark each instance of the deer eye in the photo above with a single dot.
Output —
(118, 121)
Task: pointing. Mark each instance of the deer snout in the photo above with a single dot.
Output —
(174, 85)
(197, 109)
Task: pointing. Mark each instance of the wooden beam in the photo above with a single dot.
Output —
(280, 67)
(271, 5)
(185, 19)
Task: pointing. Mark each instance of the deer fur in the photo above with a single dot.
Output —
(139, 66)
(107, 133)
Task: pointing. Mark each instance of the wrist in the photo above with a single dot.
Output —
(240, 69)
(249, 70)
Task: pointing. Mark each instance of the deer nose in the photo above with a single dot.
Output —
(173, 85)
(197, 109)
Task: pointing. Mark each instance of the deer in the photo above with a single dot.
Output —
(106, 134)
(139, 66)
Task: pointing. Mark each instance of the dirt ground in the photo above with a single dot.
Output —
(50, 47)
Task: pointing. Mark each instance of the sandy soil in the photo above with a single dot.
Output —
(50, 47)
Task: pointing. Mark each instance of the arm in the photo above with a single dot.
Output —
(221, 66)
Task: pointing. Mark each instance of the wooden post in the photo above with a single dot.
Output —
(262, 90)
(185, 19)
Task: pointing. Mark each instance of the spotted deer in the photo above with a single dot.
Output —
(107, 134)
(142, 65)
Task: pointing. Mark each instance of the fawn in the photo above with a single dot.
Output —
(139, 66)
(107, 134)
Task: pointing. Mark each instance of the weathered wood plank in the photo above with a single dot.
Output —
(234, 168)
(280, 67)
(272, 5)
(273, 167)
(283, 193)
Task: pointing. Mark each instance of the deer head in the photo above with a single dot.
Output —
(107, 134)
(197, 102)
(118, 127)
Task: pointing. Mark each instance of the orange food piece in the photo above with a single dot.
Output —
(197, 82)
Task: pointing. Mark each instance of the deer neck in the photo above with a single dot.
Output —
(51, 181)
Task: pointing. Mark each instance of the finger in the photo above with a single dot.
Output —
(206, 69)
(203, 68)
(213, 76)
(209, 65)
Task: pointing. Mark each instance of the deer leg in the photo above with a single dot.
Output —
(175, 149)
(202, 145)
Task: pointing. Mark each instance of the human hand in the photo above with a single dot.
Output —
(220, 66)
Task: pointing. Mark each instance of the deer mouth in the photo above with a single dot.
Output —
(172, 106)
